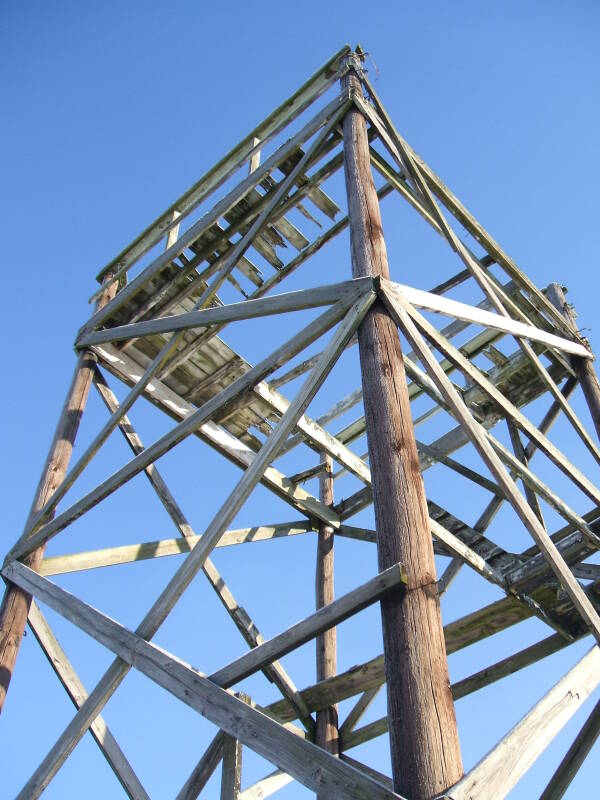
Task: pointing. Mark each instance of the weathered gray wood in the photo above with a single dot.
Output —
(231, 775)
(126, 554)
(72, 684)
(248, 309)
(266, 786)
(542, 442)
(423, 736)
(316, 435)
(478, 316)
(467, 219)
(574, 757)
(358, 710)
(505, 764)
(249, 631)
(311, 765)
(327, 616)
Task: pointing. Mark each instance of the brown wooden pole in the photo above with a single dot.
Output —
(424, 741)
(582, 367)
(326, 730)
(16, 603)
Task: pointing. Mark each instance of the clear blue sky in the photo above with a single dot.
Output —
(111, 110)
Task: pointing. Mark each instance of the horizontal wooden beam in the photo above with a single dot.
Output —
(486, 319)
(126, 554)
(219, 315)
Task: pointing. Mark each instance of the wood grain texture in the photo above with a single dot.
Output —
(423, 736)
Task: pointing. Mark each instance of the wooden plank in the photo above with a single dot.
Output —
(126, 554)
(63, 668)
(231, 775)
(249, 631)
(501, 769)
(309, 764)
(583, 369)
(358, 710)
(319, 82)
(478, 316)
(266, 786)
(302, 632)
(316, 435)
(248, 309)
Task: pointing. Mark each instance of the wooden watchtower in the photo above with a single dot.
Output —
(463, 381)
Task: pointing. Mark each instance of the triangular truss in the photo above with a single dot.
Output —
(157, 328)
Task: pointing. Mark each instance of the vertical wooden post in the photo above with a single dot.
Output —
(16, 603)
(424, 742)
(326, 732)
(231, 776)
(582, 367)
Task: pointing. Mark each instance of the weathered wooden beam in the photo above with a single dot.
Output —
(72, 684)
(126, 554)
(478, 316)
(309, 764)
(327, 616)
(15, 604)
(266, 786)
(231, 775)
(574, 757)
(248, 309)
(509, 409)
(175, 406)
(501, 769)
(423, 735)
(323, 122)
(458, 210)
(249, 631)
